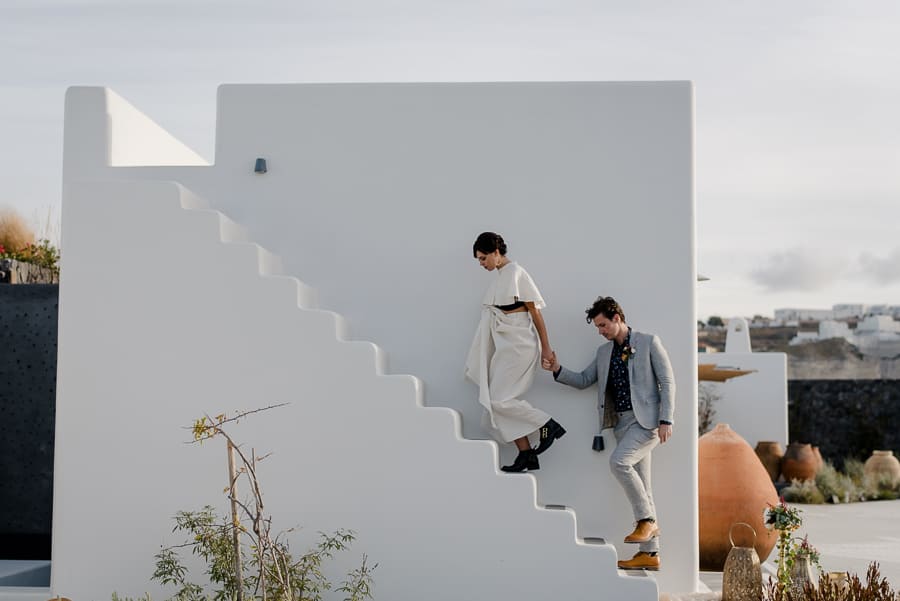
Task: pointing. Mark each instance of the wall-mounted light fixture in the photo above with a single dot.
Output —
(260, 166)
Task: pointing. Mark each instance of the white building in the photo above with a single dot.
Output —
(848, 311)
(795, 315)
(762, 392)
(877, 335)
(878, 324)
(844, 311)
(804, 337)
(373, 195)
(892, 310)
(830, 328)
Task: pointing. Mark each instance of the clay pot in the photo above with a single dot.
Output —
(882, 465)
(770, 453)
(734, 487)
(799, 462)
(819, 461)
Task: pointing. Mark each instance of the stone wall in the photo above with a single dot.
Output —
(845, 418)
(28, 331)
(17, 272)
(851, 367)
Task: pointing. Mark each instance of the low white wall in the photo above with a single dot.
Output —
(755, 405)
(375, 193)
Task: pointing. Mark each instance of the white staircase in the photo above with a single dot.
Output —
(167, 312)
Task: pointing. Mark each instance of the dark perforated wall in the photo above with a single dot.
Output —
(28, 329)
(845, 418)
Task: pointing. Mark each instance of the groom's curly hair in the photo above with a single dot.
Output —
(605, 305)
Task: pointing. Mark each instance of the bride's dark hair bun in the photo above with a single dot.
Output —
(488, 242)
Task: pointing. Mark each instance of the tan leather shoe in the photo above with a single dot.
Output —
(643, 532)
(640, 561)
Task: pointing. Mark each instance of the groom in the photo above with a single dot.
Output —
(636, 396)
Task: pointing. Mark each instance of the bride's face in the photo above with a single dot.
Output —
(488, 261)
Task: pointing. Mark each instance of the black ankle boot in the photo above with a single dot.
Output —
(549, 433)
(526, 461)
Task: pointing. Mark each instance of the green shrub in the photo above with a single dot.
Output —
(245, 560)
(856, 470)
(803, 492)
(837, 487)
(881, 489)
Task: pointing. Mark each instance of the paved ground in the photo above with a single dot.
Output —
(849, 537)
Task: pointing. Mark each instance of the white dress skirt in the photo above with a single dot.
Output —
(504, 357)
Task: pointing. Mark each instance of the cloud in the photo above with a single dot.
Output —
(880, 270)
(798, 269)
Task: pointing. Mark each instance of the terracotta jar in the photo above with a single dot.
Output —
(734, 487)
(770, 453)
(799, 462)
(882, 465)
(819, 461)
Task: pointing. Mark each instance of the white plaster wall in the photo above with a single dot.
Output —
(737, 340)
(755, 405)
(374, 195)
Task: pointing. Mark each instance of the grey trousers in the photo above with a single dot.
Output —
(630, 464)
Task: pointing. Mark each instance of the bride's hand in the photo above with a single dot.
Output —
(548, 360)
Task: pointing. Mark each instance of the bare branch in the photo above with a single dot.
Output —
(216, 425)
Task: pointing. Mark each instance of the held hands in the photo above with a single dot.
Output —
(549, 361)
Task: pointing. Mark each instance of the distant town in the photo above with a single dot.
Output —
(846, 341)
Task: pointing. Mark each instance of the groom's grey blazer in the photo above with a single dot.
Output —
(649, 373)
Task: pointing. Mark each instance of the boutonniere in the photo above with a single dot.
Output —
(627, 352)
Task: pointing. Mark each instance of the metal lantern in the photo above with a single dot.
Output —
(742, 574)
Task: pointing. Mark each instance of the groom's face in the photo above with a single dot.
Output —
(608, 328)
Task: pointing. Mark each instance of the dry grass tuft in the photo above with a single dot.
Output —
(15, 233)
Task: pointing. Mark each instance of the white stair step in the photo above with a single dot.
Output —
(371, 351)
(213, 224)
(454, 419)
(593, 540)
(305, 296)
(189, 200)
(249, 258)
(318, 322)
(231, 231)
(269, 263)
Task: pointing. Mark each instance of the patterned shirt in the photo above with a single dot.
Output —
(618, 382)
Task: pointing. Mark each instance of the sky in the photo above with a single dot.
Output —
(797, 104)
